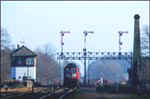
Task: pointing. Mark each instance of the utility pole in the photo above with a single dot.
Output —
(62, 42)
(149, 42)
(0, 65)
(85, 53)
(62, 53)
(121, 43)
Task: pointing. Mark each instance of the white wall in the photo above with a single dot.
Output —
(22, 71)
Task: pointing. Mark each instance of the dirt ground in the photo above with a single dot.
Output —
(90, 93)
(19, 90)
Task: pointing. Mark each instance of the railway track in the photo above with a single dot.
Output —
(67, 93)
(27, 95)
(9, 96)
(24, 96)
(52, 93)
(60, 93)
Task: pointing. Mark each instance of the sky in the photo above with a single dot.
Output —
(40, 22)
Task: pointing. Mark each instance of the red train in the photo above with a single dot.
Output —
(71, 75)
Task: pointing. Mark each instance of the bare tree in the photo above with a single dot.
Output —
(5, 64)
(5, 55)
(5, 39)
(47, 49)
(145, 41)
(48, 68)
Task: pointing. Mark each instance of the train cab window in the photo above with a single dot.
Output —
(73, 70)
(30, 61)
(67, 70)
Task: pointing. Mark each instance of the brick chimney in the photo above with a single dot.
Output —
(137, 43)
(136, 62)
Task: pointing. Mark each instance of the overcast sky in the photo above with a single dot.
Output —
(39, 23)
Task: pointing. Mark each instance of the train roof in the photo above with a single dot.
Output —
(71, 65)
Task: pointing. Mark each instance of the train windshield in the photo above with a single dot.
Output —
(67, 70)
(73, 70)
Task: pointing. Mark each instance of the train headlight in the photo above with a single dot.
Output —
(73, 75)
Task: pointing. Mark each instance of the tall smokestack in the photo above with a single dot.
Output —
(136, 65)
(137, 43)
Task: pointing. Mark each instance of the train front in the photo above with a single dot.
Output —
(71, 75)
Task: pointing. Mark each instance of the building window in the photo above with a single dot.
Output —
(30, 61)
(19, 61)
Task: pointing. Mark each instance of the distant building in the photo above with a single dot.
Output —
(144, 74)
(23, 64)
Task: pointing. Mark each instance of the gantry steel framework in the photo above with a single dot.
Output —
(93, 56)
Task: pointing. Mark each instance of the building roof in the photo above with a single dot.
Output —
(23, 51)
